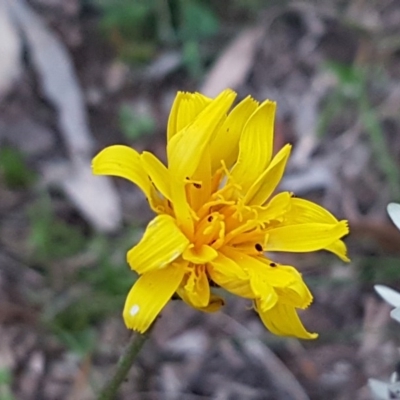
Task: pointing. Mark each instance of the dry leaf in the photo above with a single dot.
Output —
(57, 77)
(94, 196)
(233, 65)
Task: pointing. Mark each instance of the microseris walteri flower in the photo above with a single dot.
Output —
(218, 217)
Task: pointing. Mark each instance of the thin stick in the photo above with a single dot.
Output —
(125, 362)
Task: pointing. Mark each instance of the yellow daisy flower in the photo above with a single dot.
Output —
(217, 215)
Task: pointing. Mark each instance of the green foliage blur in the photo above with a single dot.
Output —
(5, 385)
(351, 92)
(135, 125)
(14, 169)
(86, 275)
(139, 29)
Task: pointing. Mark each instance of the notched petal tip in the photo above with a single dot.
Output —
(186, 148)
(184, 110)
(305, 237)
(345, 224)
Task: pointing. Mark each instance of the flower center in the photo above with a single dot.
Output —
(226, 220)
(210, 230)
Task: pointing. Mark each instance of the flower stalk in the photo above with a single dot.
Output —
(125, 363)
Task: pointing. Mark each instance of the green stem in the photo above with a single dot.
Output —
(125, 362)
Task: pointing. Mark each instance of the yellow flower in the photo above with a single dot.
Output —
(217, 215)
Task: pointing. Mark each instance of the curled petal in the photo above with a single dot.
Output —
(226, 267)
(215, 304)
(124, 162)
(228, 274)
(200, 256)
(296, 294)
(255, 266)
(339, 248)
(263, 291)
(196, 291)
(149, 295)
(158, 173)
(283, 320)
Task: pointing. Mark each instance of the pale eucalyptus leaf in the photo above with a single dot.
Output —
(391, 296)
(395, 314)
(393, 210)
(379, 389)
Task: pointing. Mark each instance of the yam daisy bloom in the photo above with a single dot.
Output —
(217, 215)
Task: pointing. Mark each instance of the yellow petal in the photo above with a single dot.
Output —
(215, 304)
(305, 237)
(339, 248)
(200, 193)
(263, 291)
(227, 274)
(255, 145)
(149, 295)
(186, 107)
(286, 280)
(283, 320)
(182, 210)
(201, 255)
(162, 243)
(259, 280)
(196, 291)
(158, 173)
(225, 145)
(304, 211)
(185, 149)
(276, 209)
(224, 266)
(296, 294)
(265, 185)
(124, 162)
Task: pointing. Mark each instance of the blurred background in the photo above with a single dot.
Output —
(78, 75)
